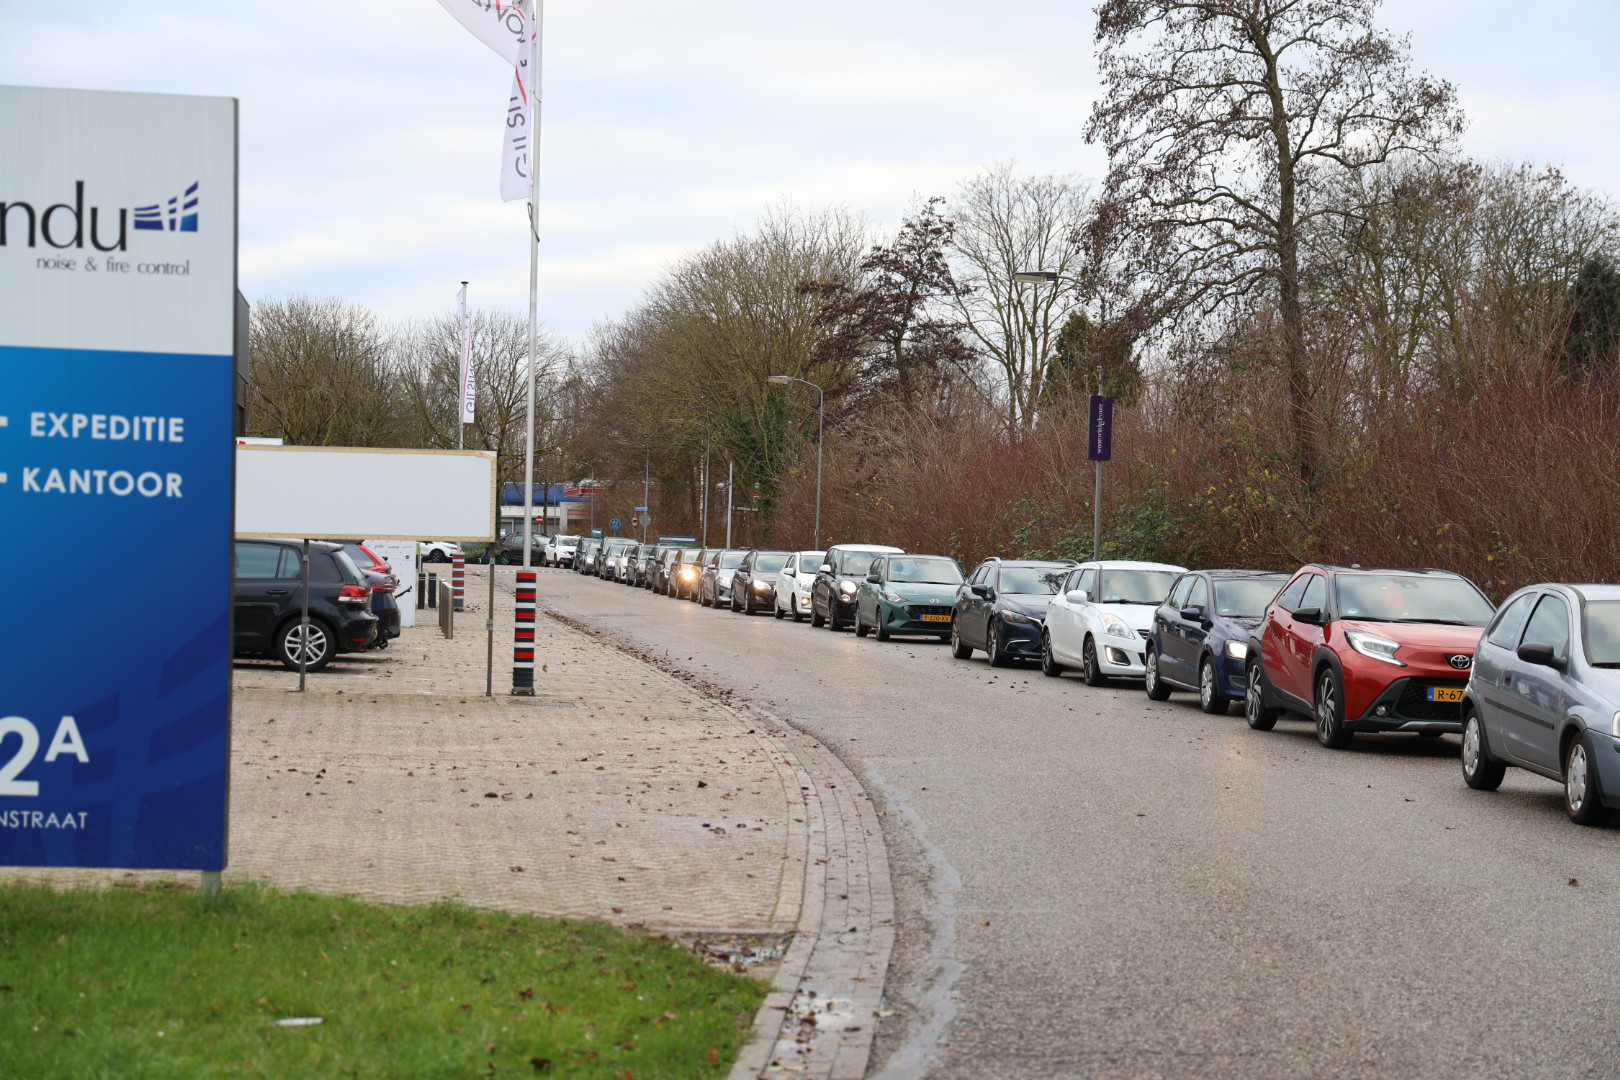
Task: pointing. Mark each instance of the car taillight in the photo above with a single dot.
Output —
(352, 594)
(383, 588)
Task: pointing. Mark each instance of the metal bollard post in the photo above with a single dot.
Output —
(458, 578)
(433, 590)
(421, 590)
(447, 610)
(523, 635)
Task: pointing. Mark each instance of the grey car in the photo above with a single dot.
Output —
(714, 588)
(1544, 695)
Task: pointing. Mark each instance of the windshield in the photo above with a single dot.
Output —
(1134, 586)
(769, 564)
(567, 541)
(1603, 633)
(1410, 598)
(810, 562)
(925, 571)
(1245, 599)
(593, 543)
(730, 560)
(1032, 580)
(856, 563)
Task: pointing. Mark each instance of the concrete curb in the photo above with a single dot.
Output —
(821, 1015)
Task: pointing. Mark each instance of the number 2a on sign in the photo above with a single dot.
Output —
(67, 740)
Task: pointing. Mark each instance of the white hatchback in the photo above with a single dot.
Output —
(1099, 620)
(793, 584)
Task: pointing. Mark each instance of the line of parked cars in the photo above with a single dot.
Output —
(1531, 684)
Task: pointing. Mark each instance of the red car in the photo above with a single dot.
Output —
(1366, 650)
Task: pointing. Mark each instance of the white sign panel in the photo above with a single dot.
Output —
(354, 493)
(118, 225)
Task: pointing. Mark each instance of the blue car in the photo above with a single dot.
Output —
(1200, 635)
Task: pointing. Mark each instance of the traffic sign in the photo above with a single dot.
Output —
(635, 521)
(615, 524)
(641, 509)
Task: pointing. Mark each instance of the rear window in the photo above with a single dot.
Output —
(348, 571)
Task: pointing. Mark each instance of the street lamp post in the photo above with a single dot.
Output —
(821, 431)
(1050, 277)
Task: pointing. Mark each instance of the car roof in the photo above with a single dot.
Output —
(1127, 564)
(1596, 590)
(1408, 571)
(314, 545)
(1056, 564)
(881, 548)
(1226, 575)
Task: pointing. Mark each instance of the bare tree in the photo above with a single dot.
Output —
(1224, 120)
(318, 374)
(1005, 224)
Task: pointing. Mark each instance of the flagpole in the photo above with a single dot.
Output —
(461, 390)
(523, 677)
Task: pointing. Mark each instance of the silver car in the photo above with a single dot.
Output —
(1544, 695)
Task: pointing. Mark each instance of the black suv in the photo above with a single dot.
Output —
(512, 549)
(1001, 608)
(268, 598)
(832, 594)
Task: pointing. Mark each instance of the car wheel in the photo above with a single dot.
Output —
(1210, 698)
(960, 649)
(881, 631)
(1480, 771)
(832, 620)
(816, 618)
(1330, 729)
(1089, 666)
(318, 651)
(437, 556)
(776, 611)
(993, 647)
(860, 627)
(1049, 665)
(1260, 716)
(1155, 687)
(1583, 802)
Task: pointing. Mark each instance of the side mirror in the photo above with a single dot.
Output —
(873, 579)
(1193, 614)
(1538, 652)
(1311, 616)
(1077, 596)
(981, 591)
(826, 568)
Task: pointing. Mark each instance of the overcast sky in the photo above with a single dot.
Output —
(371, 134)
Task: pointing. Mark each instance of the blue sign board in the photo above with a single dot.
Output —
(116, 421)
(1100, 438)
(614, 524)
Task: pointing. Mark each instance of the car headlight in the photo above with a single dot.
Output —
(893, 597)
(1237, 650)
(1113, 624)
(1615, 725)
(1379, 648)
(847, 586)
(762, 585)
(1019, 617)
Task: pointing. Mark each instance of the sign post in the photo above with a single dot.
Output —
(1099, 448)
(117, 333)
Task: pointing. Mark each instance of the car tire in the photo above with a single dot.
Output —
(1089, 667)
(1049, 665)
(1330, 729)
(776, 611)
(1480, 771)
(860, 627)
(960, 649)
(1583, 799)
(817, 620)
(833, 622)
(993, 647)
(322, 639)
(1155, 686)
(437, 556)
(1210, 698)
(1261, 717)
(881, 632)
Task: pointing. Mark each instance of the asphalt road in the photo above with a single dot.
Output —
(1094, 885)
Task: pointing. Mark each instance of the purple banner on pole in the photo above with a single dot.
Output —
(1100, 442)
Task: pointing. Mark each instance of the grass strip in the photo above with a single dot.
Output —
(151, 982)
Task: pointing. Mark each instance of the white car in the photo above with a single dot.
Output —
(793, 584)
(560, 550)
(1099, 620)
(438, 550)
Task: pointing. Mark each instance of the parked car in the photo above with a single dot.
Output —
(610, 563)
(688, 573)
(1366, 650)
(1544, 696)
(753, 585)
(649, 566)
(438, 550)
(1200, 635)
(560, 550)
(267, 593)
(364, 557)
(907, 594)
(1099, 620)
(714, 587)
(662, 581)
(832, 594)
(586, 554)
(1001, 608)
(512, 549)
(384, 606)
(793, 584)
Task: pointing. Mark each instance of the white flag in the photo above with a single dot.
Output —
(469, 383)
(503, 25)
(516, 156)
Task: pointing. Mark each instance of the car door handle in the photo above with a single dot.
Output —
(276, 592)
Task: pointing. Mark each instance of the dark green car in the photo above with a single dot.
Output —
(908, 594)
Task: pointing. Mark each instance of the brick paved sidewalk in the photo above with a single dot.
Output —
(617, 793)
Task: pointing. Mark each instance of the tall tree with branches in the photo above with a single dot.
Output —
(1225, 122)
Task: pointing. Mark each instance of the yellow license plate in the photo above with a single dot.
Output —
(936, 618)
(1445, 693)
